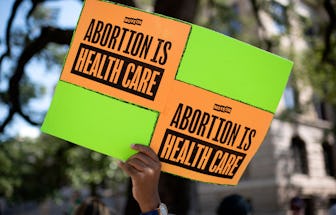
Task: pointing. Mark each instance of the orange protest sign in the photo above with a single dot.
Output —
(125, 53)
(212, 140)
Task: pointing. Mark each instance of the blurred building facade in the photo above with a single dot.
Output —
(296, 159)
(298, 156)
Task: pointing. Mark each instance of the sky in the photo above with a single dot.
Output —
(69, 11)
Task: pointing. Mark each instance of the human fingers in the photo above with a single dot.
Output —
(138, 164)
(146, 150)
(128, 169)
(144, 158)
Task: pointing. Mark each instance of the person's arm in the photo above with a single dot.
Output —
(144, 168)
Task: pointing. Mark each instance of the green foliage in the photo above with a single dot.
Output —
(144, 4)
(90, 168)
(42, 16)
(33, 168)
(321, 76)
(54, 55)
(38, 168)
(29, 91)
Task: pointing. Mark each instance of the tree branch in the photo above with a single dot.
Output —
(35, 3)
(255, 9)
(328, 6)
(7, 53)
(125, 2)
(180, 9)
(48, 35)
(266, 41)
(7, 120)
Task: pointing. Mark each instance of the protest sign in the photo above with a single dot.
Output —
(203, 101)
(125, 53)
(212, 140)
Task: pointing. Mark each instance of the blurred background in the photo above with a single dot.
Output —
(40, 174)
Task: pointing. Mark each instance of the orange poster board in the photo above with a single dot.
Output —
(208, 137)
(125, 53)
